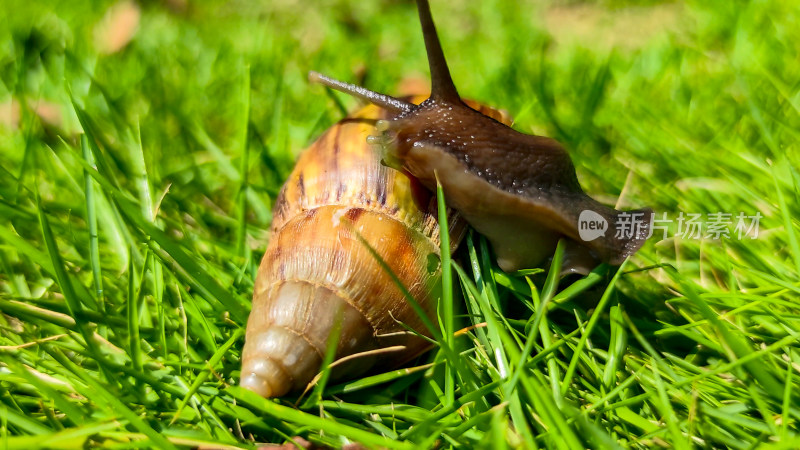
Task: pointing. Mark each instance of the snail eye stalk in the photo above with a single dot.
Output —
(384, 101)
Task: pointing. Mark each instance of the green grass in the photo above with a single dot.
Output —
(128, 252)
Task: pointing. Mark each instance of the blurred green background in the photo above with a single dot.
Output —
(194, 113)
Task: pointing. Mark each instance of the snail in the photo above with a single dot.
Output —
(316, 270)
(520, 191)
(341, 201)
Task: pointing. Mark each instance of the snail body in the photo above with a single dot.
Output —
(520, 191)
(317, 270)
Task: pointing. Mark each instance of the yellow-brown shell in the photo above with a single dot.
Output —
(315, 268)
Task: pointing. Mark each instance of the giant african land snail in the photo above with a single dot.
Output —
(519, 190)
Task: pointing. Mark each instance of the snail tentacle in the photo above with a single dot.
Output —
(382, 100)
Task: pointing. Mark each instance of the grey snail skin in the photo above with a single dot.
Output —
(520, 191)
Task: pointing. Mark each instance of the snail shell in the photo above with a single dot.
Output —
(316, 270)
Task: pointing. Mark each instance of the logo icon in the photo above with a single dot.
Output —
(591, 225)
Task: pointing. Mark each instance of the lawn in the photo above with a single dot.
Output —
(142, 146)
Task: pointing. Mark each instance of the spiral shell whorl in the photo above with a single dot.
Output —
(282, 352)
(317, 269)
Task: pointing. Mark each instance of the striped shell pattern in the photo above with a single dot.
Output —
(318, 270)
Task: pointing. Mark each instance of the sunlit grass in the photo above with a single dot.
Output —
(137, 181)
